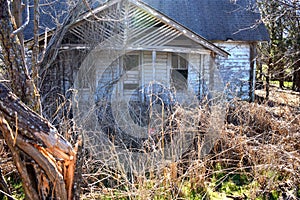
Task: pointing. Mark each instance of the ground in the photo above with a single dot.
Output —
(280, 96)
(256, 157)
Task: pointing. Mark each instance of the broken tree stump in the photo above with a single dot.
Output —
(51, 157)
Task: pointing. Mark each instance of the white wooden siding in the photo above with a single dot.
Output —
(161, 67)
(236, 69)
(202, 76)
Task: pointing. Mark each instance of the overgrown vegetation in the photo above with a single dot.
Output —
(256, 156)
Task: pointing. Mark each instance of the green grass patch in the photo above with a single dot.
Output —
(16, 186)
(287, 84)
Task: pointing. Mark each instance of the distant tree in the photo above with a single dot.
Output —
(294, 42)
(281, 54)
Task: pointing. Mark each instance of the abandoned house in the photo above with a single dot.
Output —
(178, 50)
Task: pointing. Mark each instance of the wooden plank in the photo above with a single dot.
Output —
(150, 35)
(169, 49)
(160, 41)
(153, 64)
(142, 70)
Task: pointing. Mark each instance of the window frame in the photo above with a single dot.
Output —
(179, 68)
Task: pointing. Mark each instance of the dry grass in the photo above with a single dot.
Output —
(256, 156)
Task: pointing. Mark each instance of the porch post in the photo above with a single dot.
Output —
(153, 65)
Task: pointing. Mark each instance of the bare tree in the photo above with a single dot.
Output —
(281, 54)
(46, 162)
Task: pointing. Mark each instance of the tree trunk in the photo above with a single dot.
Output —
(281, 84)
(52, 156)
(46, 162)
(296, 78)
(268, 79)
(267, 87)
(14, 60)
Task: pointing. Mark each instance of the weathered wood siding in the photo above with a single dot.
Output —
(235, 70)
(101, 67)
(204, 77)
(104, 67)
(155, 70)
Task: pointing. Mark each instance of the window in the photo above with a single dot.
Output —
(179, 72)
(131, 72)
(130, 62)
(179, 62)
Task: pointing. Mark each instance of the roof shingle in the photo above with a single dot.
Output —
(211, 19)
(215, 19)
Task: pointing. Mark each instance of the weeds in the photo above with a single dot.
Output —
(255, 156)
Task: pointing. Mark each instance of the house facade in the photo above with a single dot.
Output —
(234, 26)
(127, 56)
(154, 33)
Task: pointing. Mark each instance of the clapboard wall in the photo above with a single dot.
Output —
(238, 69)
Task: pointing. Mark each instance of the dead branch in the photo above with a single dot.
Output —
(3, 187)
(23, 26)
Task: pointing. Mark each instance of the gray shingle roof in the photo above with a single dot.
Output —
(215, 19)
(211, 19)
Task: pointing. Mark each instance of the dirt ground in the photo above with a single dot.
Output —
(280, 96)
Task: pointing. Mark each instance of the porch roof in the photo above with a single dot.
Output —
(98, 7)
